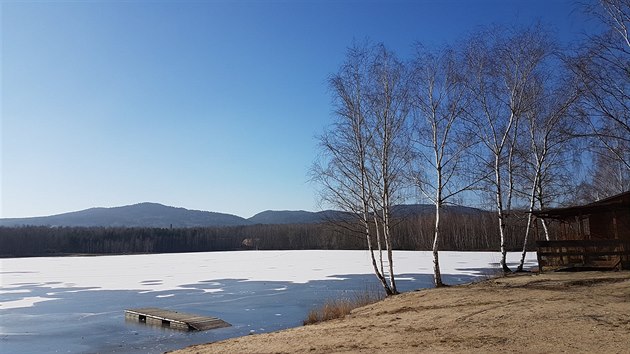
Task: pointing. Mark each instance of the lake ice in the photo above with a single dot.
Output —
(76, 304)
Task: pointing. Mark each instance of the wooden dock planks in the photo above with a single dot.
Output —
(174, 319)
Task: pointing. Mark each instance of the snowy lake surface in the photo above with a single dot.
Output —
(76, 304)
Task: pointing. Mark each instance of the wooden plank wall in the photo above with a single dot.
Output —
(583, 254)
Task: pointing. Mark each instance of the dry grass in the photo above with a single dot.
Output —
(584, 312)
(339, 308)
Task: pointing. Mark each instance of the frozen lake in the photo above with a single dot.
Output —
(76, 304)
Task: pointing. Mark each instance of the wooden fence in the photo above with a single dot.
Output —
(596, 254)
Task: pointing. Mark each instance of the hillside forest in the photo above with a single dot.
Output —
(462, 231)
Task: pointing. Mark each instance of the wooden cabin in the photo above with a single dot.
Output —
(591, 236)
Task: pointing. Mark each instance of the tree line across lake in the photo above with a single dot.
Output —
(463, 232)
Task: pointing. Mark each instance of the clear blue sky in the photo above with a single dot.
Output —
(210, 105)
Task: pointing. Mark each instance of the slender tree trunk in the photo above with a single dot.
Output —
(379, 275)
(390, 254)
(501, 216)
(545, 228)
(437, 275)
(379, 243)
(532, 201)
(366, 212)
(542, 207)
(385, 175)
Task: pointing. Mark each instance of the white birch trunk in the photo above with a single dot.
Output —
(532, 200)
(501, 215)
(544, 225)
(390, 254)
(542, 206)
(365, 185)
(378, 274)
(378, 242)
(437, 274)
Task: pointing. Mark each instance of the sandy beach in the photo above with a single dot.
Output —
(580, 312)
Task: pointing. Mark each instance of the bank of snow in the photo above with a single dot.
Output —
(176, 271)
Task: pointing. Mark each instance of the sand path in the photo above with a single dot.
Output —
(585, 312)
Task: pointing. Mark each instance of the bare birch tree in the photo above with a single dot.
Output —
(363, 152)
(547, 132)
(440, 102)
(501, 64)
(608, 174)
(615, 14)
(602, 67)
(389, 149)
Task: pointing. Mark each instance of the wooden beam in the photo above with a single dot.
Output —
(174, 319)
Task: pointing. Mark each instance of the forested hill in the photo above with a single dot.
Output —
(162, 216)
(272, 217)
(137, 215)
(276, 217)
(461, 231)
(413, 229)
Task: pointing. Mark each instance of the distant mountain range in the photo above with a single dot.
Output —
(158, 215)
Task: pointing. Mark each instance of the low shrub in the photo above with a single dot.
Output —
(339, 308)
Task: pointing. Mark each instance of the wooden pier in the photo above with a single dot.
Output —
(174, 319)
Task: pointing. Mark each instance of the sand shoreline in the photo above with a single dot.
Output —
(580, 312)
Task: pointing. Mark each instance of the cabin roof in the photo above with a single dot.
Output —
(616, 202)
